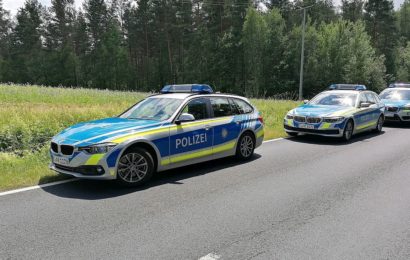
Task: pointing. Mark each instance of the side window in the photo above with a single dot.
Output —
(197, 108)
(362, 99)
(370, 98)
(242, 106)
(221, 106)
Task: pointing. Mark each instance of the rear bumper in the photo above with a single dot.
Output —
(322, 132)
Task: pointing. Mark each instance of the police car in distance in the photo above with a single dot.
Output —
(342, 111)
(397, 101)
(183, 125)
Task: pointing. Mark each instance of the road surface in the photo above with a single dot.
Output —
(299, 198)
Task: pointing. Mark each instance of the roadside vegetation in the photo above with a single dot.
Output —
(31, 115)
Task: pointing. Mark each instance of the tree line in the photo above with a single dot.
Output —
(249, 47)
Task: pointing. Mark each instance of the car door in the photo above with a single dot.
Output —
(226, 128)
(365, 117)
(191, 141)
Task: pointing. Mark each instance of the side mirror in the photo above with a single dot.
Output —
(305, 101)
(364, 105)
(185, 117)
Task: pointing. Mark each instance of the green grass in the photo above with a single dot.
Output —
(31, 115)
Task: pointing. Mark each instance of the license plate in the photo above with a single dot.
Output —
(306, 126)
(61, 160)
(389, 114)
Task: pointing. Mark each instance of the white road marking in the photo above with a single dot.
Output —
(274, 140)
(70, 180)
(35, 187)
(210, 256)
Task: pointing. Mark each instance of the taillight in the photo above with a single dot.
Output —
(260, 119)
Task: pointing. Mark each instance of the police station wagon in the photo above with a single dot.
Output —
(183, 125)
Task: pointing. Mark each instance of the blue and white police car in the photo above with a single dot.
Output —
(342, 111)
(183, 125)
(397, 101)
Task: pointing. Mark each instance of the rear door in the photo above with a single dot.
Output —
(226, 129)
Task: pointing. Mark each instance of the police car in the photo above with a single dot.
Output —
(397, 101)
(183, 125)
(342, 111)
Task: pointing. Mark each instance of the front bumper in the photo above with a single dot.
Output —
(398, 116)
(322, 132)
(83, 172)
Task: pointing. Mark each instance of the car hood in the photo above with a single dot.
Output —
(321, 110)
(97, 131)
(395, 103)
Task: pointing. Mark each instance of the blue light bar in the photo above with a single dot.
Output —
(187, 88)
(347, 87)
(399, 85)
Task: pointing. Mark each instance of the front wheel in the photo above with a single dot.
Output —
(135, 167)
(379, 126)
(245, 147)
(348, 131)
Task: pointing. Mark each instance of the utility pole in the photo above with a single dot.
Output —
(302, 54)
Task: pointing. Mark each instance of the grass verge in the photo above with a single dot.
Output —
(31, 115)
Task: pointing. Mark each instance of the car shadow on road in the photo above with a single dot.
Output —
(324, 140)
(96, 190)
(393, 124)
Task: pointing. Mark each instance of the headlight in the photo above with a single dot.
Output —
(98, 148)
(336, 119)
(289, 116)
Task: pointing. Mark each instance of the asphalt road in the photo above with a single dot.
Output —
(303, 198)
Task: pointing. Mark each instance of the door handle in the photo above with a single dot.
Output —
(207, 127)
(238, 122)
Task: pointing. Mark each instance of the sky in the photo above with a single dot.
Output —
(13, 5)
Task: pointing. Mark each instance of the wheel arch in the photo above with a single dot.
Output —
(145, 144)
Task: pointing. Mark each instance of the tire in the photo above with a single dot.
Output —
(245, 147)
(293, 134)
(348, 131)
(379, 126)
(135, 167)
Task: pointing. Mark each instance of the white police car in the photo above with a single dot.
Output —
(397, 101)
(342, 111)
(183, 125)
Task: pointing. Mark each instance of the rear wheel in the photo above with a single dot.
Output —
(135, 167)
(379, 126)
(245, 147)
(348, 131)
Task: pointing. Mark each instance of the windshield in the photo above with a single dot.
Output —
(395, 94)
(158, 109)
(335, 99)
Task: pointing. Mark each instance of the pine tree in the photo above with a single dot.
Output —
(352, 10)
(380, 25)
(26, 58)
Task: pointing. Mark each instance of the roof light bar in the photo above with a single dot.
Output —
(399, 85)
(347, 87)
(187, 88)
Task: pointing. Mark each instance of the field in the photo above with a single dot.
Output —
(31, 115)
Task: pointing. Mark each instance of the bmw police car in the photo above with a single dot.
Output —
(185, 124)
(342, 111)
(397, 101)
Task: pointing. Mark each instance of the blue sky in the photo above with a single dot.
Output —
(13, 5)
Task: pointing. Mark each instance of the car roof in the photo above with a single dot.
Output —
(187, 95)
(345, 91)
